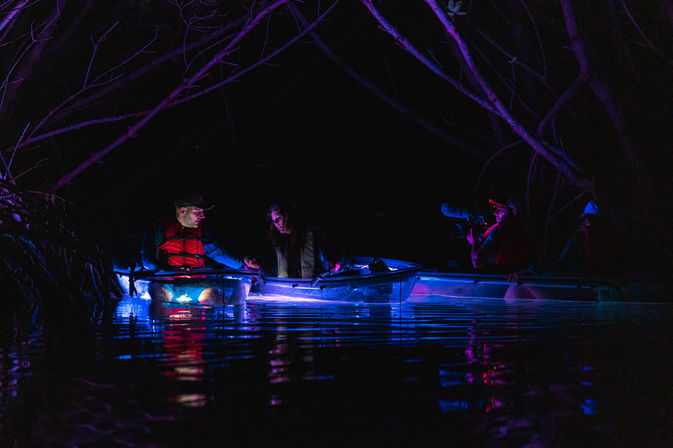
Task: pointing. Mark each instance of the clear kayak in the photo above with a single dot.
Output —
(365, 280)
(197, 286)
(641, 288)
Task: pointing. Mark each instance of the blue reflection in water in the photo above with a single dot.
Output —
(486, 354)
(433, 369)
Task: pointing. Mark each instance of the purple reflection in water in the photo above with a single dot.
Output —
(433, 371)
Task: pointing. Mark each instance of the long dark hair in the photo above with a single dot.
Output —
(287, 243)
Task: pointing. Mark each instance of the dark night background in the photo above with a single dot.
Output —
(558, 102)
(300, 128)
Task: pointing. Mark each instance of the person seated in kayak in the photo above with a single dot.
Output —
(596, 247)
(301, 251)
(178, 242)
(505, 245)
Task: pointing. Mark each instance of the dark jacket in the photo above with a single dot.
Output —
(308, 261)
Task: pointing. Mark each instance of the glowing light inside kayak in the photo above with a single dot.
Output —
(281, 298)
(142, 286)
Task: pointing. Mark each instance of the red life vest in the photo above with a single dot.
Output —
(181, 246)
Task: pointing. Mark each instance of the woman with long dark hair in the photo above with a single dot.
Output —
(298, 246)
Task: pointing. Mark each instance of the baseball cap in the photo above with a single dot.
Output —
(510, 203)
(193, 200)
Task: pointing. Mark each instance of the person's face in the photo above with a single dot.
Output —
(280, 221)
(501, 213)
(191, 216)
(585, 222)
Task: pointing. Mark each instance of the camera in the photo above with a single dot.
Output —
(474, 221)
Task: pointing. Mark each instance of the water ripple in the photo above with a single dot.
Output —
(433, 371)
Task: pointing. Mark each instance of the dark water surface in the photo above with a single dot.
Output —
(431, 372)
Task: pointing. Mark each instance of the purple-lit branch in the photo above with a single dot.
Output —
(405, 111)
(104, 88)
(35, 139)
(86, 86)
(7, 175)
(11, 160)
(491, 159)
(565, 97)
(74, 127)
(98, 94)
(28, 58)
(513, 63)
(8, 19)
(409, 47)
(188, 64)
(492, 102)
(642, 33)
(554, 156)
(35, 166)
(598, 86)
(541, 77)
(532, 166)
(173, 97)
(561, 101)
(96, 46)
(538, 38)
(262, 61)
(97, 82)
(190, 23)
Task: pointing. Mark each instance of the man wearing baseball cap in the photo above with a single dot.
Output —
(179, 242)
(505, 245)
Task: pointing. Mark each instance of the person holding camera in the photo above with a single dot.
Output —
(505, 245)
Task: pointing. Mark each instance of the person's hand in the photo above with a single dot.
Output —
(513, 277)
(251, 262)
(470, 237)
(334, 267)
(184, 267)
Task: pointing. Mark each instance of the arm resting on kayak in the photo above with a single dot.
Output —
(215, 252)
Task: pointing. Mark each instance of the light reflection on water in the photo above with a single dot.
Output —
(433, 369)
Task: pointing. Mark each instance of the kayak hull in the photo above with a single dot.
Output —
(205, 288)
(366, 286)
(544, 287)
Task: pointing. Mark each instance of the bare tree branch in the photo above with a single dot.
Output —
(409, 47)
(598, 86)
(262, 61)
(642, 33)
(33, 52)
(492, 103)
(96, 46)
(74, 127)
(566, 96)
(491, 159)
(538, 37)
(555, 156)
(9, 18)
(186, 85)
(405, 111)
